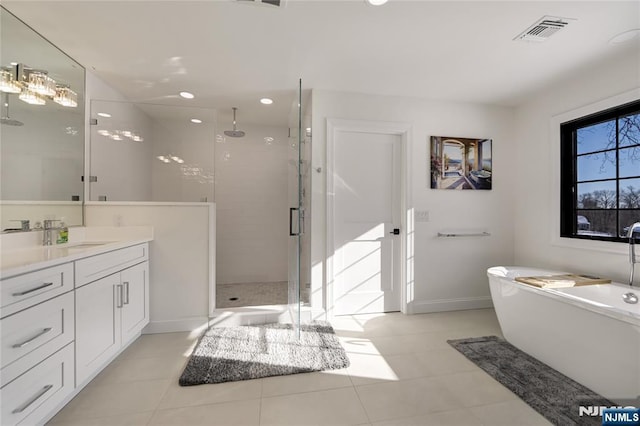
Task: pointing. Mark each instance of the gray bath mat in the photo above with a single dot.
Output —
(546, 390)
(249, 352)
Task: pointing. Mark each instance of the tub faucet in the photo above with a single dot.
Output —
(632, 249)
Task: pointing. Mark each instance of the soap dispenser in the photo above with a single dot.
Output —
(63, 233)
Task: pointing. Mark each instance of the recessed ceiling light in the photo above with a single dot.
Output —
(104, 114)
(187, 95)
(266, 101)
(376, 2)
(195, 120)
(625, 36)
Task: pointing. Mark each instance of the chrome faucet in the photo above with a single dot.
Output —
(47, 233)
(632, 249)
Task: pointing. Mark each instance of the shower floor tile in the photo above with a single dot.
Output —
(253, 294)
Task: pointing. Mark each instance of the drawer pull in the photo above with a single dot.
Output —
(26, 405)
(22, 293)
(26, 342)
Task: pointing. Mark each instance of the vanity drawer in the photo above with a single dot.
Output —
(35, 333)
(26, 290)
(37, 392)
(95, 267)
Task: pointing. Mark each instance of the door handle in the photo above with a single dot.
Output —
(119, 296)
(291, 233)
(125, 300)
(396, 231)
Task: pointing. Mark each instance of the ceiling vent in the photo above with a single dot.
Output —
(270, 3)
(544, 28)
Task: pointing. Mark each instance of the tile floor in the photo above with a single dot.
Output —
(402, 373)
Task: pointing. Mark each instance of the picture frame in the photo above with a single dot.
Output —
(461, 163)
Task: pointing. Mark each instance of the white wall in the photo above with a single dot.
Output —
(252, 206)
(181, 257)
(537, 195)
(449, 274)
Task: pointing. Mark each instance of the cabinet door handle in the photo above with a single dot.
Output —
(119, 296)
(26, 342)
(36, 397)
(291, 233)
(31, 290)
(126, 292)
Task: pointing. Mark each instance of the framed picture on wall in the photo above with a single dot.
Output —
(460, 163)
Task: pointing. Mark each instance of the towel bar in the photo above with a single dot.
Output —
(474, 234)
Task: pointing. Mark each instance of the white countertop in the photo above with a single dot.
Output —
(20, 258)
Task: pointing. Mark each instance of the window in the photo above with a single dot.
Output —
(600, 174)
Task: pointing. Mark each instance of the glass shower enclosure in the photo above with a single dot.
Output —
(296, 211)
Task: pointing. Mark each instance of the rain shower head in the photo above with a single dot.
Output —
(5, 113)
(235, 133)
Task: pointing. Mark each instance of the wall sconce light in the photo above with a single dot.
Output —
(34, 86)
(31, 97)
(8, 84)
(41, 83)
(65, 97)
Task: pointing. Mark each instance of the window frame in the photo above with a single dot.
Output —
(568, 169)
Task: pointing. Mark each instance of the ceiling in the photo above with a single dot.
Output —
(231, 53)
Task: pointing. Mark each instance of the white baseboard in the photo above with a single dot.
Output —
(251, 315)
(443, 305)
(173, 326)
(232, 317)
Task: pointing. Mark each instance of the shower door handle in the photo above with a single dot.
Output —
(291, 233)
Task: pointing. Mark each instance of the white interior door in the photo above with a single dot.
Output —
(366, 210)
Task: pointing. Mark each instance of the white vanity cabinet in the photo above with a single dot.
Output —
(63, 321)
(110, 311)
(37, 333)
(135, 305)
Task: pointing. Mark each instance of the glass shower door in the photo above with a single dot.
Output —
(296, 210)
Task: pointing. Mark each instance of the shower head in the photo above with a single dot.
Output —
(235, 133)
(5, 114)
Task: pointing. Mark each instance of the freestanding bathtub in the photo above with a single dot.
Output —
(587, 333)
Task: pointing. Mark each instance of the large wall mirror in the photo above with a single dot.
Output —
(42, 129)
